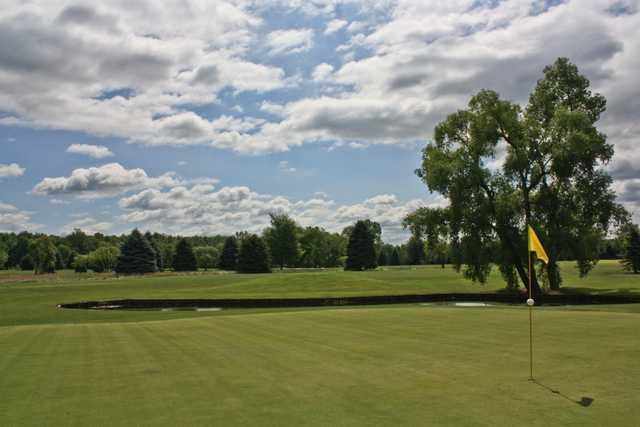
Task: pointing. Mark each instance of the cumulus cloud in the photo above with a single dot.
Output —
(103, 181)
(94, 151)
(334, 25)
(12, 169)
(322, 71)
(13, 219)
(284, 42)
(201, 209)
(89, 225)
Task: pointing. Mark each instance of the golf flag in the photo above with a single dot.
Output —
(536, 246)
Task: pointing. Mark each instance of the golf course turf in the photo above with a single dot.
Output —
(393, 365)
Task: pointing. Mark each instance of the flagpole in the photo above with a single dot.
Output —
(530, 320)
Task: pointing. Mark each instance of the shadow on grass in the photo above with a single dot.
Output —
(585, 401)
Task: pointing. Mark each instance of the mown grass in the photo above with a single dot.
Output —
(392, 365)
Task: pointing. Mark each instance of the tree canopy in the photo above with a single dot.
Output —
(136, 255)
(361, 253)
(502, 167)
(631, 260)
(229, 255)
(184, 259)
(253, 256)
(282, 240)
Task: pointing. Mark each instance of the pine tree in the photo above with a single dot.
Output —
(156, 249)
(395, 257)
(382, 258)
(415, 251)
(361, 253)
(229, 256)
(253, 257)
(185, 259)
(136, 255)
(631, 260)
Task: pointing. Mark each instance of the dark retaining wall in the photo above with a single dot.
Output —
(573, 299)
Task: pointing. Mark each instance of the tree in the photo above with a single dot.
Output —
(136, 255)
(64, 256)
(552, 177)
(415, 251)
(103, 259)
(184, 259)
(229, 256)
(282, 240)
(382, 258)
(631, 260)
(80, 242)
(361, 253)
(4, 257)
(81, 263)
(433, 224)
(156, 249)
(253, 256)
(206, 256)
(42, 253)
(19, 251)
(395, 257)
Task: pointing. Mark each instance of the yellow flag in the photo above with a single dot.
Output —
(536, 246)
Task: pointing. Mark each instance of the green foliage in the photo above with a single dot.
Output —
(552, 178)
(282, 240)
(64, 256)
(415, 251)
(156, 249)
(395, 257)
(184, 259)
(136, 255)
(81, 263)
(206, 256)
(229, 255)
(631, 260)
(18, 251)
(382, 258)
(253, 256)
(319, 248)
(103, 259)
(4, 257)
(42, 253)
(361, 253)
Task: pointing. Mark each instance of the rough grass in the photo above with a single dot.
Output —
(393, 365)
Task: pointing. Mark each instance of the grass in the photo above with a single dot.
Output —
(393, 365)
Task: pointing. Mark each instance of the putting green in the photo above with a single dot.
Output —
(405, 365)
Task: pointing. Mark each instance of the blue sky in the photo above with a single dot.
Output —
(203, 117)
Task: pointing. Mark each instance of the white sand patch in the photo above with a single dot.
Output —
(472, 304)
(208, 309)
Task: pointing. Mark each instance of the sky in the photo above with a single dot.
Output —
(202, 117)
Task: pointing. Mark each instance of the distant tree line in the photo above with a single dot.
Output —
(283, 244)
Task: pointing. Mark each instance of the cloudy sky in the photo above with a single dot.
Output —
(203, 117)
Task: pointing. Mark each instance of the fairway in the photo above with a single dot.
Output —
(394, 365)
(375, 366)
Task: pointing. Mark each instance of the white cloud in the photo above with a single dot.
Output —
(103, 181)
(284, 42)
(12, 169)
(334, 25)
(272, 108)
(284, 166)
(322, 71)
(95, 151)
(89, 225)
(13, 219)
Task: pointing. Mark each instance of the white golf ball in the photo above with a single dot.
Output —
(530, 302)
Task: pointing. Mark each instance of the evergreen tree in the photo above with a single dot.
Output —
(206, 256)
(156, 249)
(253, 257)
(415, 251)
(185, 259)
(631, 260)
(361, 253)
(229, 256)
(136, 255)
(395, 257)
(382, 258)
(19, 251)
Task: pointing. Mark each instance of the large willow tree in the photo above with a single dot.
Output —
(551, 176)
